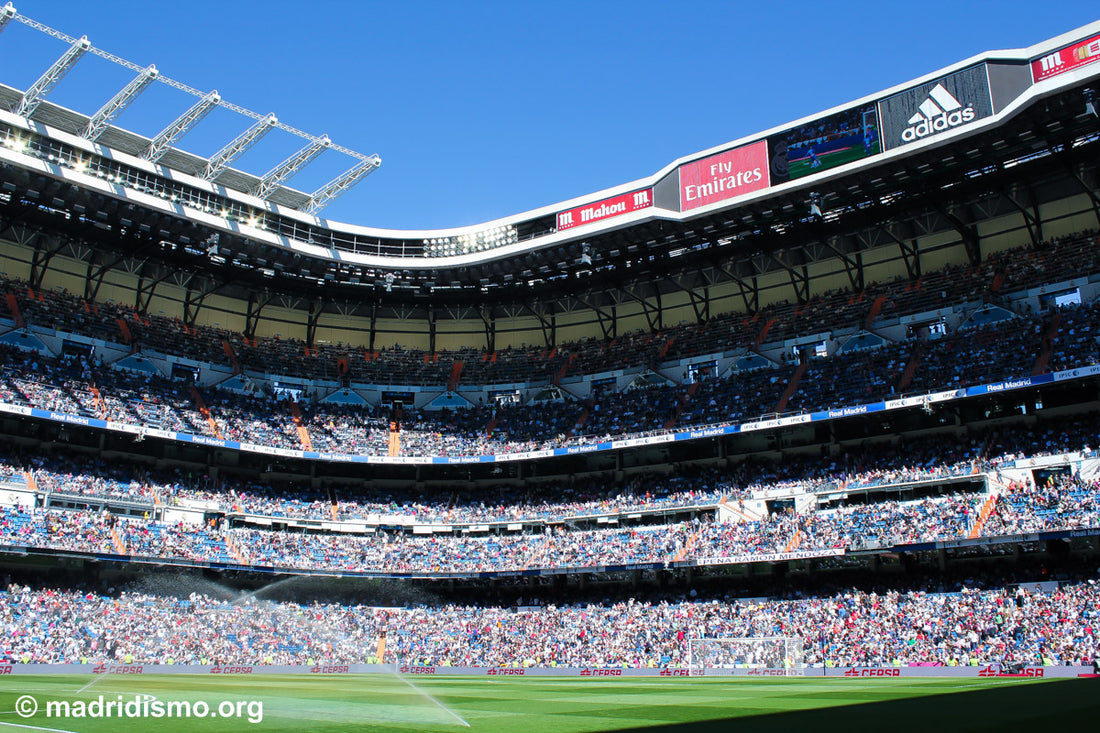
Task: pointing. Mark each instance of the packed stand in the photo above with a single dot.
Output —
(968, 626)
(1001, 272)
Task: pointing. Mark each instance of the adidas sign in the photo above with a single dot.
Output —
(941, 111)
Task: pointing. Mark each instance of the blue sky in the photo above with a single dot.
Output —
(481, 110)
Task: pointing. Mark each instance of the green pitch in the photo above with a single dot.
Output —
(802, 167)
(552, 705)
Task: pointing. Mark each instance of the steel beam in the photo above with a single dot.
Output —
(280, 173)
(224, 157)
(108, 112)
(337, 186)
(38, 91)
(170, 135)
(7, 13)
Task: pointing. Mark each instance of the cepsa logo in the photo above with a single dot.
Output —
(329, 669)
(231, 670)
(5, 669)
(416, 670)
(675, 673)
(993, 670)
(872, 672)
(768, 672)
(117, 669)
(601, 672)
(505, 671)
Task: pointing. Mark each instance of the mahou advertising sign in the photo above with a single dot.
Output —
(1066, 59)
(605, 209)
(724, 176)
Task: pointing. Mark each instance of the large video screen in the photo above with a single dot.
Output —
(826, 143)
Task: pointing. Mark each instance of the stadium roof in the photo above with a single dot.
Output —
(33, 105)
(1028, 118)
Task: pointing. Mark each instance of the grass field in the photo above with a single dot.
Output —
(802, 167)
(553, 705)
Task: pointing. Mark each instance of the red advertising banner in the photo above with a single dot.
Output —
(724, 176)
(1066, 59)
(605, 209)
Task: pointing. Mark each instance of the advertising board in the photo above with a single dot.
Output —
(605, 209)
(938, 106)
(724, 175)
(1066, 59)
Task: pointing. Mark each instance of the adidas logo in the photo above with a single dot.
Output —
(941, 111)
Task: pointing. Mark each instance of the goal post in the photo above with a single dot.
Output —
(752, 655)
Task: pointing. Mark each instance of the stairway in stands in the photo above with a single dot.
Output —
(578, 426)
(16, 314)
(1047, 345)
(299, 424)
(689, 545)
(228, 347)
(876, 309)
(746, 514)
(681, 404)
(456, 374)
(763, 333)
(117, 542)
(792, 386)
(910, 368)
(200, 403)
(987, 509)
(564, 369)
(124, 330)
(794, 542)
(235, 550)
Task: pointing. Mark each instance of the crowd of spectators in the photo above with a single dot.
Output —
(80, 385)
(969, 626)
(886, 523)
(1000, 272)
(1031, 507)
(684, 489)
(1068, 503)
(1074, 343)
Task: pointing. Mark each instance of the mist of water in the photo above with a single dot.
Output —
(290, 617)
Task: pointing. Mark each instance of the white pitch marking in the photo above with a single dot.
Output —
(95, 679)
(37, 727)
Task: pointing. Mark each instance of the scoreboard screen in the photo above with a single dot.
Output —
(825, 143)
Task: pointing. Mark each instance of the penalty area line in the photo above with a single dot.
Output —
(36, 727)
(95, 679)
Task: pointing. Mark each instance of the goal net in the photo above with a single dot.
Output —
(769, 655)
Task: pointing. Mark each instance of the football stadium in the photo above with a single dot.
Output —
(802, 430)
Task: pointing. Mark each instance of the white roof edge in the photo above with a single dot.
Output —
(342, 228)
(1021, 54)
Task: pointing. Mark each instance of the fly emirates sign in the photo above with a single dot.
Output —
(724, 176)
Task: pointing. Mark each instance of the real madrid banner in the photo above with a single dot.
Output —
(949, 103)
